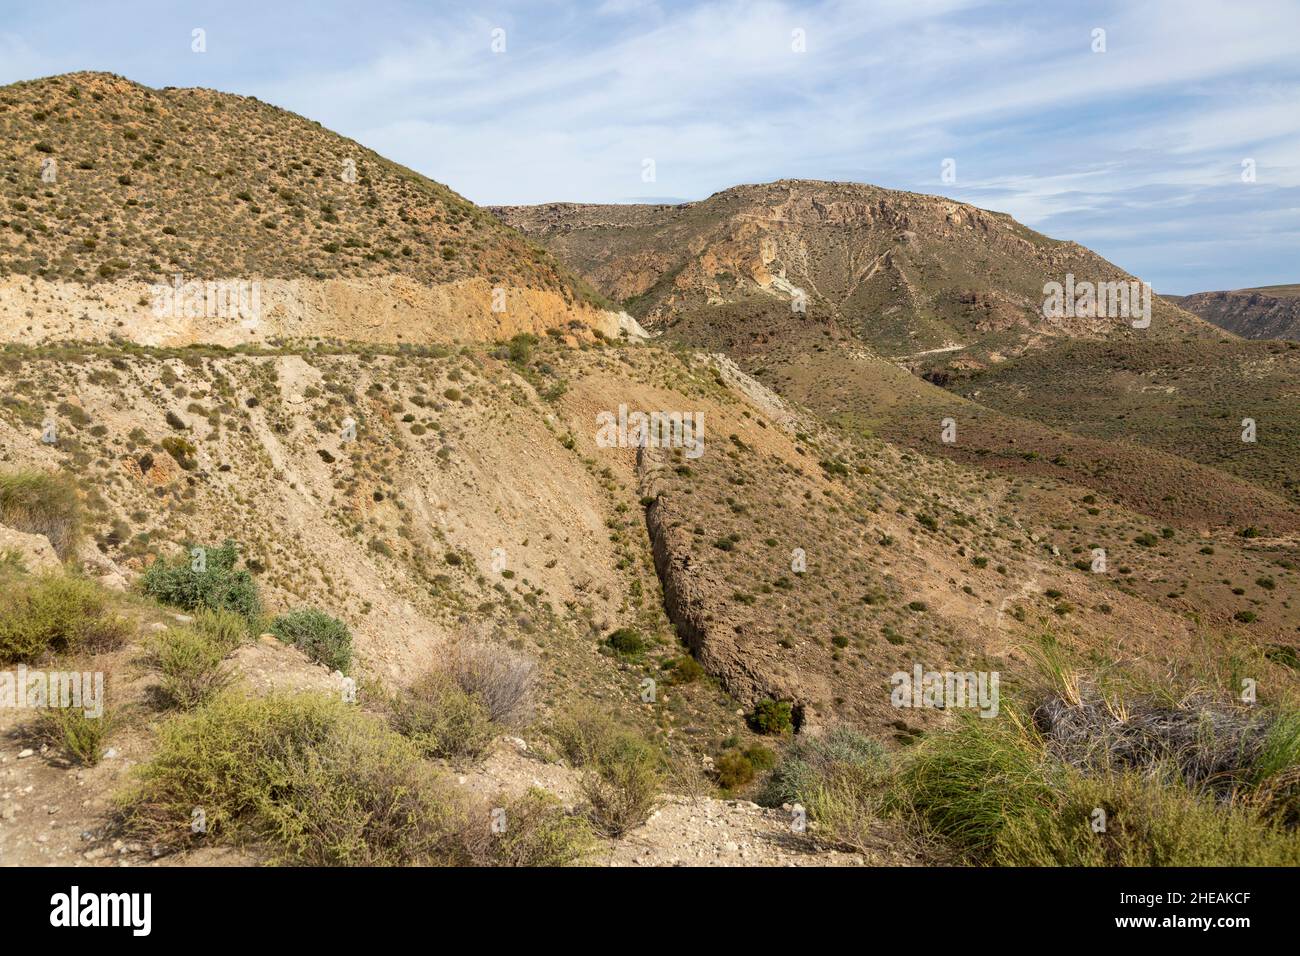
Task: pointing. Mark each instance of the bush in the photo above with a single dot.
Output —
(217, 587)
(38, 503)
(623, 783)
(623, 772)
(733, 770)
(808, 760)
(735, 767)
(626, 641)
(226, 628)
(683, 669)
(79, 736)
(55, 614)
(501, 679)
(772, 717)
(441, 719)
(192, 667)
(182, 451)
(521, 348)
(322, 638)
(306, 777)
(1149, 821)
(847, 803)
(537, 832)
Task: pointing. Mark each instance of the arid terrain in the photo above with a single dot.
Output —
(392, 518)
(1271, 312)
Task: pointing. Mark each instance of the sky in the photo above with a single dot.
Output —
(1163, 134)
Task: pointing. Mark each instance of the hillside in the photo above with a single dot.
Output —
(378, 542)
(1269, 312)
(109, 187)
(901, 272)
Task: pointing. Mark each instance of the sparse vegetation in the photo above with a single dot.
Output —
(322, 638)
(203, 577)
(41, 503)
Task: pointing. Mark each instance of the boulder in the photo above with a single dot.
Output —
(35, 549)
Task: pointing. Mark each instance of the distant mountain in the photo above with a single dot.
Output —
(901, 272)
(1267, 312)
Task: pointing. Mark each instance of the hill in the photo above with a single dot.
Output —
(902, 272)
(386, 486)
(110, 188)
(1268, 312)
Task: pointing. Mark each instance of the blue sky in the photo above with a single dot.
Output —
(1136, 152)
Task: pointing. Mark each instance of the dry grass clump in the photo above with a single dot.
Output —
(503, 680)
(40, 503)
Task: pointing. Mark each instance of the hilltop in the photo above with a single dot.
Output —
(109, 187)
(899, 271)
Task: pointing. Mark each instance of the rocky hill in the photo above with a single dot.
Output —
(902, 272)
(109, 189)
(405, 549)
(1271, 312)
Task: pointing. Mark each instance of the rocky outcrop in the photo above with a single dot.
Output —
(701, 622)
(390, 309)
(1252, 314)
(34, 550)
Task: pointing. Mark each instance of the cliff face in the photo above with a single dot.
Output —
(1250, 313)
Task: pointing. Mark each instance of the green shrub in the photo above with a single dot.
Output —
(56, 614)
(683, 669)
(306, 777)
(81, 737)
(733, 769)
(772, 717)
(623, 772)
(627, 641)
(810, 759)
(39, 503)
(192, 665)
(226, 628)
(537, 832)
(441, 719)
(182, 451)
(219, 586)
(1148, 821)
(324, 639)
(969, 783)
(521, 348)
(623, 782)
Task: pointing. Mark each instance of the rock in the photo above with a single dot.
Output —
(113, 581)
(25, 752)
(35, 550)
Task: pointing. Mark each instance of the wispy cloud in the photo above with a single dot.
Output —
(1136, 151)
